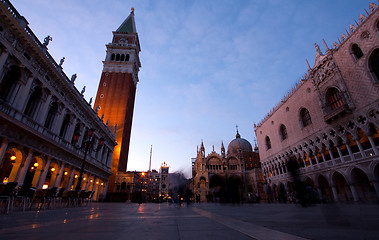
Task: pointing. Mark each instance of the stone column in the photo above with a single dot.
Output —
(350, 152)
(45, 170)
(105, 189)
(88, 182)
(335, 194)
(3, 58)
(3, 150)
(356, 139)
(354, 192)
(23, 95)
(59, 121)
(58, 180)
(303, 158)
(374, 147)
(323, 157)
(70, 130)
(340, 154)
(331, 155)
(37, 174)
(24, 168)
(316, 158)
(109, 158)
(70, 180)
(54, 175)
(44, 110)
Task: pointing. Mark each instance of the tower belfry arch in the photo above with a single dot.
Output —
(117, 88)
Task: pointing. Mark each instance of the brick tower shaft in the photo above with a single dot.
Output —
(117, 88)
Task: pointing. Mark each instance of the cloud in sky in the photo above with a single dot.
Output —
(206, 65)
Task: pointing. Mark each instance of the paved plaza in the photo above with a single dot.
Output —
(112, 221)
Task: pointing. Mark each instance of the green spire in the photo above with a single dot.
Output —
(128, 26)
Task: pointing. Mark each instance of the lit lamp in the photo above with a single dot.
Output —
(87, 146)
(13, 157)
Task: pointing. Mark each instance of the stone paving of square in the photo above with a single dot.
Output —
(196, 221)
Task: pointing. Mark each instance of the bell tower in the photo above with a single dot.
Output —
(116, 92)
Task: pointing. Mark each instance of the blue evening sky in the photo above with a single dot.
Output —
(206, 65)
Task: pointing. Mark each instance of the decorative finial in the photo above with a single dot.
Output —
(83, 90)
(318, 50)
(97, 108)
(90, 101)
(115, 129)
(102, 117)
(309, 67)
(326, 45)
(237, 135)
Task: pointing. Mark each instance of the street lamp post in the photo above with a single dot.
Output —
(87, 145)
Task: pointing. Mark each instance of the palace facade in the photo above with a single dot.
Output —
(44, 120)
(328, 124)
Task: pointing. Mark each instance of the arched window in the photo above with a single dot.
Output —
(117, 57)
(65, 124)
(127, 57)
(356, 50)
(8, 83)
(268, 143)
(283, 132)
(76, 136)
(305, 117)
(334, 98)
(33, 102)
(113, 56)
(51, 115)
(122, 57)
(374, 64)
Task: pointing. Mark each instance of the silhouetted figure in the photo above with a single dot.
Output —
(293, 169)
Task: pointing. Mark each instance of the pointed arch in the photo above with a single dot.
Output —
(305, 117)
(334, 98)
(268, 143)
(374, 64)
(356, 51)
(283, 132)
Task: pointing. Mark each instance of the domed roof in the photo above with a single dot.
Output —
(239, 144)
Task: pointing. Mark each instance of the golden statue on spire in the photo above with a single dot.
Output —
(132, 10)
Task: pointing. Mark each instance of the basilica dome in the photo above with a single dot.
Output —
(239, 144)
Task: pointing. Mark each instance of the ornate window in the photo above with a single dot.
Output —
(33, 102)
(283, 132)
(356, 51)
(51, 115)
(113, 57)
(127, 57)
(268, 143)
(374, 64)
(122, 57)
(334, 98)
(8, 83)
(305, 117)
(65, 124)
